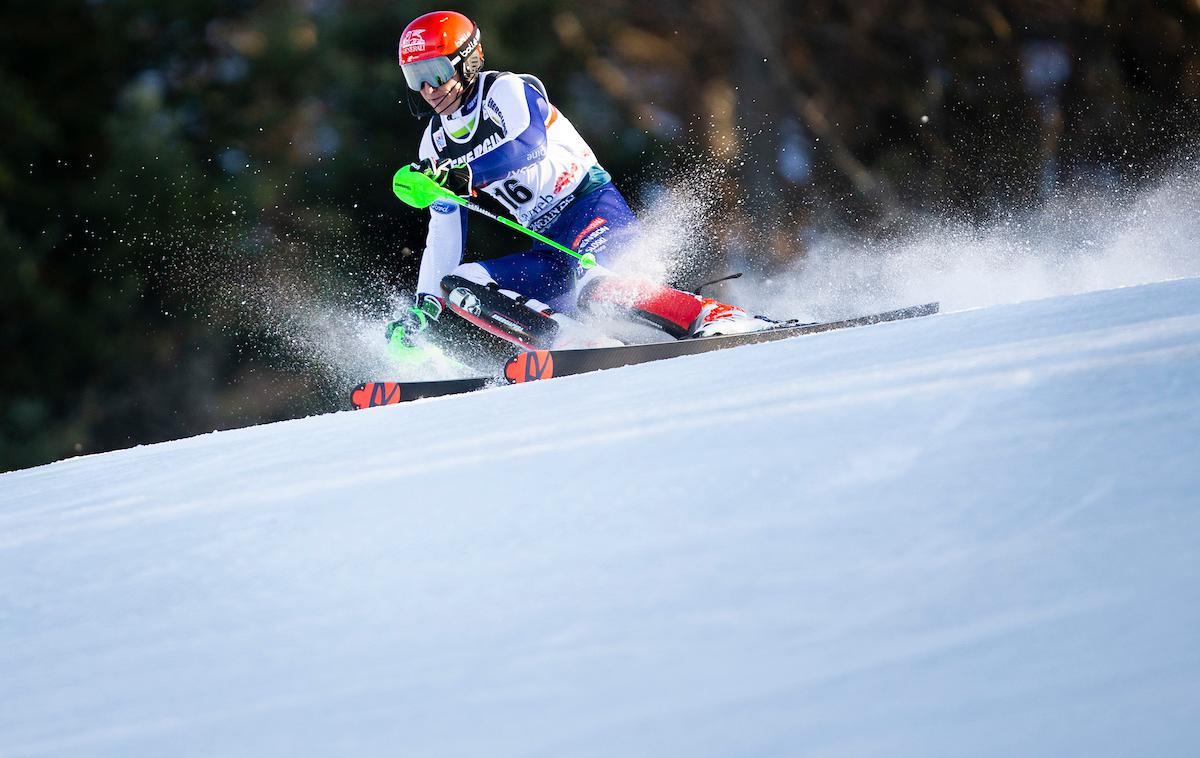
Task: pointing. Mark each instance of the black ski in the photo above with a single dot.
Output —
(545, 364)
(371, 394)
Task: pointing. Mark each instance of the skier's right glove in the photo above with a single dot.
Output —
(457, 179)
(419, 318)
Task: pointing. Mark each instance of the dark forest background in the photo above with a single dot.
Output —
(158, 156)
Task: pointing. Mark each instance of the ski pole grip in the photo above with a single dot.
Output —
(417, 189)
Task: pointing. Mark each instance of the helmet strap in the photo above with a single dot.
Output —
(469, 90)
(417, 105)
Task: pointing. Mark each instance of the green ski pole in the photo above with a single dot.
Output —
(420, 191)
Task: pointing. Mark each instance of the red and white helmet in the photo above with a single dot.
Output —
(439, 45)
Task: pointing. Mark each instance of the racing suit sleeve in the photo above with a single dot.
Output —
(446, 239)
(443, 246)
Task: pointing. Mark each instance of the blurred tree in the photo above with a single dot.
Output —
(889, 108)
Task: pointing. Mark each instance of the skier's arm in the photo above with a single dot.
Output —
(443, 246)
(446, 239)
(523, 111)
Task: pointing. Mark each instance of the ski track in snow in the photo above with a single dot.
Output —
(968, 533)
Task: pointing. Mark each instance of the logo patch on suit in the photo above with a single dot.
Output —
(492, 113)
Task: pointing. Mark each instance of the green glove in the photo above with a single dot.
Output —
(457, 179)
(403, 332)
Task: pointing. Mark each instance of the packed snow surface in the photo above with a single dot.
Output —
(970, 534)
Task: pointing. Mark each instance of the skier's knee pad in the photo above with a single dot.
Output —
(501, 312)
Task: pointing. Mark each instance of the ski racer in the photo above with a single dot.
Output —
(495, 136)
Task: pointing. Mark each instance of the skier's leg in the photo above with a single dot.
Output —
(506, 297)
(680, 314)
(473, 293)
(530, 297)
(609, 230)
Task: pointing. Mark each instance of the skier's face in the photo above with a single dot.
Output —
(446, 98)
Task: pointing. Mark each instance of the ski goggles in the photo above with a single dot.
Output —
(432, 71)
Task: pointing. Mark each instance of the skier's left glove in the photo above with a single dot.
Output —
(457, 179)
(419, 318)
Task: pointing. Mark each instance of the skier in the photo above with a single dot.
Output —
(495, 136)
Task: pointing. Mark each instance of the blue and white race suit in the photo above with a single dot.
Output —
(526, 155)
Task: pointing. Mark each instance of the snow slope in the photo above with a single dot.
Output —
(971, 534)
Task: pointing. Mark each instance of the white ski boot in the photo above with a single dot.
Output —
(718, 318)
